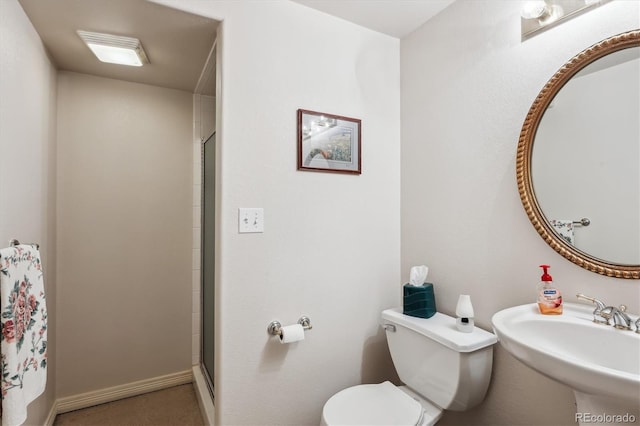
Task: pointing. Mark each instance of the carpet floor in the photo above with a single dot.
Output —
(176, 406)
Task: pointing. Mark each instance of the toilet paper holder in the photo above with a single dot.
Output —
(275, 327)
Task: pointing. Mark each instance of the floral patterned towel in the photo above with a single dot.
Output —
(564, 228)
(24, 331)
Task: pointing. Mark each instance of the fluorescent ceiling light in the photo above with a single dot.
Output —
(115, 49)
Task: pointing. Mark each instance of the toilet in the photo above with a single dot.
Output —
(442, 369)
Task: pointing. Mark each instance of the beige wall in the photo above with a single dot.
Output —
(468, 82)
(124, 228)
(27, 161)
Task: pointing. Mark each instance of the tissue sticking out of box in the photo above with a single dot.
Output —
(418, 275)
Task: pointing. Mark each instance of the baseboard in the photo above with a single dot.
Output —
(204, 398)
(89, 399)
(52, 414)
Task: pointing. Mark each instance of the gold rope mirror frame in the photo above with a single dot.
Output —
(525, 150)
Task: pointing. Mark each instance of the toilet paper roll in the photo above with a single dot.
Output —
(291, 333)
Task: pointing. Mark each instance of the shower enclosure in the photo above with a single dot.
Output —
(207, 289)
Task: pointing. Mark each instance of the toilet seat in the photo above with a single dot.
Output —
(380, 404)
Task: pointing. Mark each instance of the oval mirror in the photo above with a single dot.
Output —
(578, 159)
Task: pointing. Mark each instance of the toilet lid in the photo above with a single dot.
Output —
(382, 404)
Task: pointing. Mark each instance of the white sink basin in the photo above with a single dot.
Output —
(600, 362)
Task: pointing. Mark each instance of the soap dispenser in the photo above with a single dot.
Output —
(549, 297)
(464, 314)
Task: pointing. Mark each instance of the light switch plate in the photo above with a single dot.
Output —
(250, 220)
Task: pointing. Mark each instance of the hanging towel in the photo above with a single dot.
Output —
(24, 331)
(564, 228)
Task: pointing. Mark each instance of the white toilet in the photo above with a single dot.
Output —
(442, 368)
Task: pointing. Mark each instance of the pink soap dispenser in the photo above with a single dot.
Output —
(549, 297)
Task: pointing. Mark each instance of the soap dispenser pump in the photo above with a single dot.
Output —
(464, 314)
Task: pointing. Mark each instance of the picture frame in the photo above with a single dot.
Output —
(329, 143)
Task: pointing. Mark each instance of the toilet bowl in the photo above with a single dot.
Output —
(442, 368)
(381, 404)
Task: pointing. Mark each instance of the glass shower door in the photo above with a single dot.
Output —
(208, 261)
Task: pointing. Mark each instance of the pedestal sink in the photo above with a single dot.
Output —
(599, 362)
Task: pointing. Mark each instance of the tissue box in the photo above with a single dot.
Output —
(419, 301)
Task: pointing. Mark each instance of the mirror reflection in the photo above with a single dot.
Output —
(579, 183)
(586, 159)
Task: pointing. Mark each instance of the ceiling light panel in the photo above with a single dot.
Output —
(115, 49)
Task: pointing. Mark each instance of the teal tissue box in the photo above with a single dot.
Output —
(419, 301)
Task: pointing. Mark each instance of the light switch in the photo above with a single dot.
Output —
(250, 220)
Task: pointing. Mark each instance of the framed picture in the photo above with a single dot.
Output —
(328, 143)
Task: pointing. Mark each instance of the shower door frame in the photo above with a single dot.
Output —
(208, 375)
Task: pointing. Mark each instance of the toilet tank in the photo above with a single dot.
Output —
(448, 367)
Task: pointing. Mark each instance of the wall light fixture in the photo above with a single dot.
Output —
(538, 15)
(115, 49)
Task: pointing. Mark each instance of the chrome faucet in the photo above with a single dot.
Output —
(621, 320)
(638, 325)
(597, 312)
(621, 314)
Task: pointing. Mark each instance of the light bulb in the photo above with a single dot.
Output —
(533, 9)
